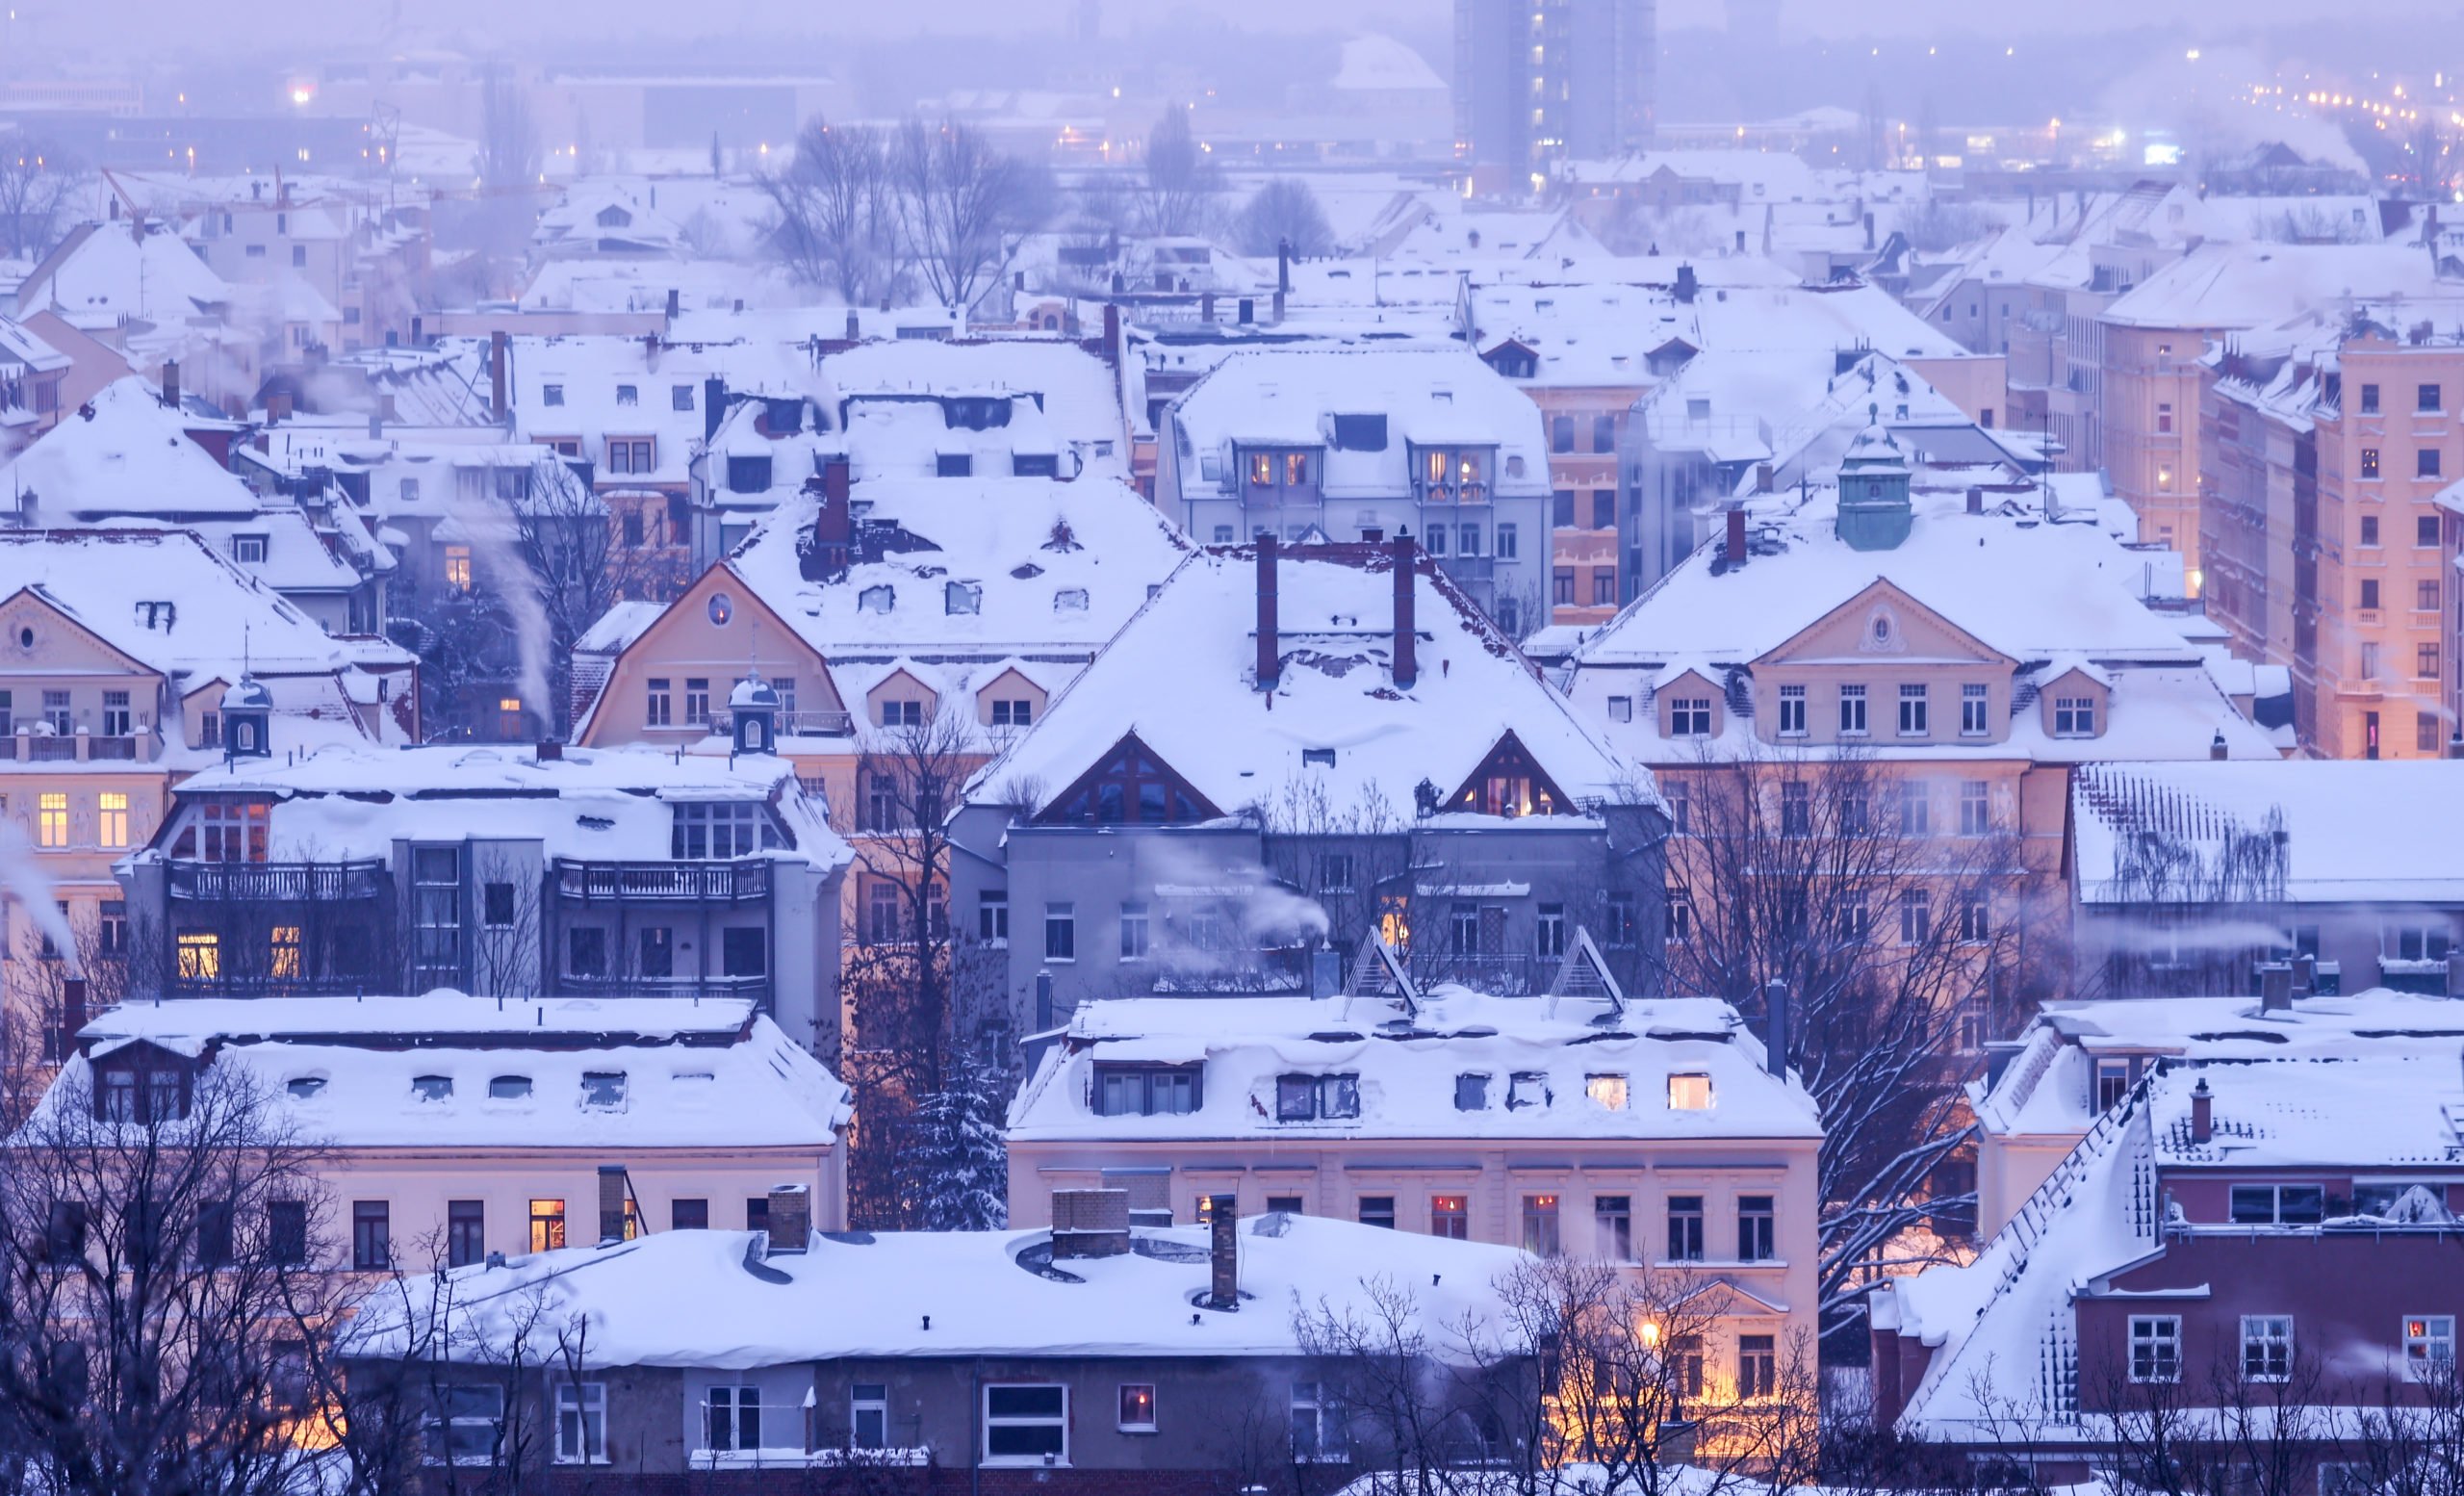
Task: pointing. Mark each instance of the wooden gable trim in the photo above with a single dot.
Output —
(1899, 599)
(1498, 756)
(134, 665)
(1084, 784)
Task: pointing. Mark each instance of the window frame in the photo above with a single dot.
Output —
(2271, 1347)
(2162, 1342)
(990, 1423)
(579, 1399)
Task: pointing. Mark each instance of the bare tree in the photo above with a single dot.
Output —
(1894, 924)
(964, 206)
(168, 1301)
(35, 181)
(1285, 211)
(838, 210)
(1184, 187)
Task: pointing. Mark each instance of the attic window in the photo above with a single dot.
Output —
(1472, 1092)
(156, 615)
(552, 395)
(1319, 758)
(303, 1088)
(629, 395)
(603, 1091)
(1316, 1097)
(1689, 1092)
(1528, 1087)
(1608, 1092)
(509, 1087)
(1360, 433)
(962, 597)
(433, 1088)
(877, 600)
(1070, 600)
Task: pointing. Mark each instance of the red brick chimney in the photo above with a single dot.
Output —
(1269, 644)
(2202, 1111)
(1734, 552)
(1223, 1253)
(1407, 668)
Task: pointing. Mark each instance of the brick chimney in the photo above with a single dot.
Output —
(2454, 974)
(611, 1203)
(714, 405)
(1407, 666)
(1269, 644)
(2202, 1111)
(499, 343)
(2275, 988)
(171, 383)
(2217, 748)
(1733, 551)
(1090, 1224)
(791, 1224)
(72, 1014)
(1112, 333)
(551, 750)
(1223, 1253)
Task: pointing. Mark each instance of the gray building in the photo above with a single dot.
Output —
(498, 871)
(1557, 80)
(1284, 751)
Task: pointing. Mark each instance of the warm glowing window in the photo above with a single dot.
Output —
(51, 822)
(547, 1224)
(1609, 1090)
(1689, 1092)
(200, 956)
(457, 568)
(284, 958)
(112, 827)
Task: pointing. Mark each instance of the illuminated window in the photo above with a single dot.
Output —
(1689, 1092)
(1138, 1407)
(547, 1224)
(283, 961)
(457, 568)
(1608, 1091)
(51, 821)
(111, 818)
(2429, 1346)
(1450, 1217)
(200, 956)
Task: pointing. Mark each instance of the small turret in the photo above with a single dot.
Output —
(247, 720)
(753, 706)
(1874, 512)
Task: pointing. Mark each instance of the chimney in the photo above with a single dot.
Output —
(278, 406)
(1689, 284)
(855, 327)
(2306, 975)
(1735, 551)
(1043, 1002)
(1270, 647)
(675, 304)
(2456, 974)
(791, 1222)
(1762, 478)
(171, 383)
(419, 331)
(376, 426)
(1090, 1224)
(1407, 640)
(2202, 1111)
(498, 341)
(2216, 747)
(1326, 972)
(72, 1013)
(1975, 499)
(2275, 988)
(551, 750)
(1206, 307)
(1223, 1253)
(1775, 1028)
(714, 405)
(1112, 333)
(611, 1203)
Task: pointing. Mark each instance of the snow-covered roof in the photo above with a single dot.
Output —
(130, 456)
(1071, 388)
(1335, 696)
(2356, 832)
(121, 270)
(1430, 397)
(593, 804)
(1407, 1064)
(712, 1298)
(342, 1070)
(2221, 286)
(1758, 175)
(1380, 64)
(2048, 1086)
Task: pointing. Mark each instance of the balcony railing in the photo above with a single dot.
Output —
(752, 989)
(740, 881)
(28, 747)
(1426, 492)
(277, 882)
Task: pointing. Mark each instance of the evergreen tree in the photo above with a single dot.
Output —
(956, 1167)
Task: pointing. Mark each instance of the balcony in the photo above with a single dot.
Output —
(749, 989)
(27, 747)
(1428, 492)
(276, 883)
(738, 881)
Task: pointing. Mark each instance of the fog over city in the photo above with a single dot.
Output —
(1231, 748)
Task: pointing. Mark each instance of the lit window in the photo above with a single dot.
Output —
(111, 818)
(283, 959)
(2429, 1346)
(51, 823)
(547, 1224)
(200, 956)
(1138, 1407)
(457, 568)
(1689, 1092)
(1608, 1091)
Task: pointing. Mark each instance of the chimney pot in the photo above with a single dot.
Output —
(1223, 1253)
(171, 383)
(790, 1218)
(1269, 664)
(2275, 988)
(2306, 975)
(551, 750)
(72, 1013)
(1736, 548)
(499, 344)
(1407, 643)
(1090, 1224)
(2202, 1111)
(2217, 748)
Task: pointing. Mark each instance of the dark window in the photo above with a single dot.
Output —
(586, 951)
(287, 1231)
(1561, 433)
(1360, 434)
(65, 1233)
(2425, 398)
(2370, 399)
(1754, 1228)
(689, 1215)
(657, 955)
(1563, 504)
(756, 1213)
(214, 1233)
(2425, 528)
(1378, 1210)
(744, 950)
(1613, 1226)
(1685, 1229)
(466, 1233)
(952, 464)
(2425, 465)
(1471, 1093)
(370, 1235)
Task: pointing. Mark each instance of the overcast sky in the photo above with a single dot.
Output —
(273, 28)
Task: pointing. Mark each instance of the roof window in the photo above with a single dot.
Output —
(1528, 1087)
(433, 1088)
(509, 1087)
(603, 1091)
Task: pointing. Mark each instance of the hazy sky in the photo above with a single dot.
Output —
(269, 29)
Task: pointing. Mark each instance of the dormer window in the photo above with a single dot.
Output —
(1318, 757)
(954, 464)
(433, 1088)
(305, 1088)
(1472, 1092)
(1070, 600)
(142, 1094)
(962, 597)
(877, 600)
(1317, 1097)
(629, 395)
(749, 475)
(1689, 1092)
(156, 616)
(2074, 716)
(509, 1088)
(1526, 1089)
(248, 549)
(1146, 1090)
(603, 1091)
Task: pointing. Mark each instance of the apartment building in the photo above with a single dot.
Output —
(2228, 1236)
(498, 872)
(451, 1129)
(1361, 443)
(1352, 746)
(1573, 1120)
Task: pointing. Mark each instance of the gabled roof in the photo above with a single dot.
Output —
(131, 457)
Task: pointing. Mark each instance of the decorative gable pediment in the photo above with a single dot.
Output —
(1509, 781)
(1129, 786)
(1879, 625)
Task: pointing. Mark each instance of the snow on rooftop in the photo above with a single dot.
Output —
(1335, 700)
(711, 1298)
(1380, 64)
(2224, 286)
(2356, 832)
(130, 456)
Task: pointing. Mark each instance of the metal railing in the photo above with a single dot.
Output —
(754, 989)
(276, 883)
(736, 880)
